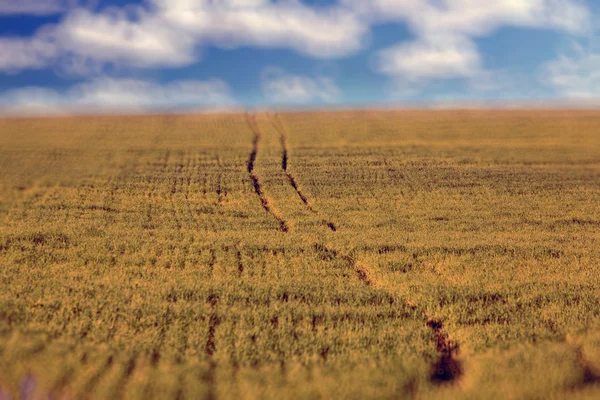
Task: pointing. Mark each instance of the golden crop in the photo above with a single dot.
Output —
(364, 254)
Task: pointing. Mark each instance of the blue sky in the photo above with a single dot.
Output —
(68, 56)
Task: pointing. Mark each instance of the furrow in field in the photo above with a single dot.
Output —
(447, 368)
(360, 270)
(264, 200)
(239, 262)
(221, 189)
(591, 375)
(213, 323)
(280, 128)
(211, 262)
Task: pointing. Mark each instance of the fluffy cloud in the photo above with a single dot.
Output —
(18, 53)
(445, 29)
(476, 17)
(433, 57)
(575, 76)
(116, 36)
(323, 33)
(167, 33)
(34, 7)
(281, 87)
(116, 95)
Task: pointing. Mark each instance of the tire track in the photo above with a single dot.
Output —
(280, 128)
(264, 200)
(239, 262)
(447, 368)
(590, 375)
(349, 262)
(221, 189)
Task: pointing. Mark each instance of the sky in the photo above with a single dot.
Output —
(88, 56)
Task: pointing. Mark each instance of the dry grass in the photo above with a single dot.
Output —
(138, 258)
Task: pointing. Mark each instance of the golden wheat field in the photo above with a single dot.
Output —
(358, 254)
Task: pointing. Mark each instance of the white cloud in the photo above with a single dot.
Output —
(106, 95)
(115, 36)
(575, 76)
(34, 7)
(476, 17)
(168, 33)
(281, 87)
(32, 53)
(438, 57)
(445, 29)
(322, 33)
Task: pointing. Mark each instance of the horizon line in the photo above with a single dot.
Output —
(118, 111)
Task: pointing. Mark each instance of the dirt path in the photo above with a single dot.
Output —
(264, 200)
(447, 368)
(280, 128)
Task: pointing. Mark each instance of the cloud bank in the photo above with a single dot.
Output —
(168, 33)
(445, 30)
(116, 96)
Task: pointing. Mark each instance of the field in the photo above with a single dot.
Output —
(363, 254)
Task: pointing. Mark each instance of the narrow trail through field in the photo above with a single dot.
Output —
(591, 376)
(280, 128)
(221, 189)
(264, 200)
(447, 368)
